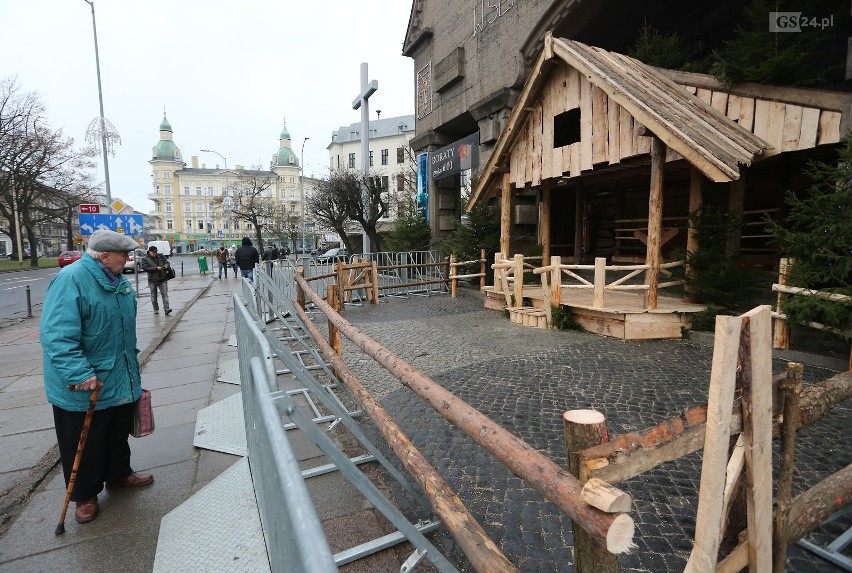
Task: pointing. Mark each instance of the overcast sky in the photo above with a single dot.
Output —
(227, 74)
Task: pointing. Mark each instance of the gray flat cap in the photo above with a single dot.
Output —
(104, 241)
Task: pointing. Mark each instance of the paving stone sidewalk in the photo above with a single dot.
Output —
(524, 379)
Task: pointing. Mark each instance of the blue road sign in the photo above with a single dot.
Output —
(220, 234)
(127, 224)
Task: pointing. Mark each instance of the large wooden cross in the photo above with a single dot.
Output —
(362, 101)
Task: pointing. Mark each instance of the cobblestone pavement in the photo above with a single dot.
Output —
(524, 379)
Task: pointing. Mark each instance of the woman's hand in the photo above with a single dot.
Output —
(89, 384)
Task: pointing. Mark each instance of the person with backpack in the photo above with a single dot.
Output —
(247, 257)
(222, 256)
(157, 267)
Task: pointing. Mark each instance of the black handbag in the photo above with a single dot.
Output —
(170, 273)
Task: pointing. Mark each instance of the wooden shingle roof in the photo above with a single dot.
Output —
(705, 137)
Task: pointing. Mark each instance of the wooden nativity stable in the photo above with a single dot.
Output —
(603, 159)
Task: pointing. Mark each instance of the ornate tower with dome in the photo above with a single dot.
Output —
(189, 201)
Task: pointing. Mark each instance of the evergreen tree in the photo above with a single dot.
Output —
(756, 54)
(411, 232)
(480, 229)
(817, 236)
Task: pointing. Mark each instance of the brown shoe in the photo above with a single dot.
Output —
(86, 510)
(133, 480)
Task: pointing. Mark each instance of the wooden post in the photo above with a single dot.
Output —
(756, 356)
(374, 270)
(791, 388)
(655, 221)
(544, 222)
(579, 222)
(600, 282)
(736, 200)
(333, 334)
(539, 471)
(506, 216)
(300, 294)
(498, 283)
(720, 404)
(781, 336)
(696, 199)
(454, 283)
(584, 429)
(519, 280)
(556, 281)
(482, 262)
(483, 553)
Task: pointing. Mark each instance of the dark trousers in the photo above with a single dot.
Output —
(106, 455)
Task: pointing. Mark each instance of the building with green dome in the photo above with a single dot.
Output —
(191, 203)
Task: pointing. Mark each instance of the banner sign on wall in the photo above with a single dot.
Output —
(423, 185)
(455, 158)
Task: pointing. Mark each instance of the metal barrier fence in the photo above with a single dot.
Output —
(420, 273)
(294, 537)
(269, 330)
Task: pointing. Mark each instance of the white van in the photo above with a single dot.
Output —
(163, 247)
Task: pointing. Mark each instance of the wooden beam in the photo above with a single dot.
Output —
(631, 454)
(605, 497)
(544, 221)
(579, 221)
(505, 216)
(736, 201)
(721, 399)
(585, 428)
(756, 358)
(696, 180)
(791, 389)
(653, 257)
(483, 553)
(615, 531)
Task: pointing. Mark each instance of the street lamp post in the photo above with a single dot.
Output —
(102, 127)
(302, 191)
(224, 209)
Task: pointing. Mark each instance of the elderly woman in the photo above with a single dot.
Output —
(88, 334)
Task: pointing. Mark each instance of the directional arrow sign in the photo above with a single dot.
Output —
(127, 224)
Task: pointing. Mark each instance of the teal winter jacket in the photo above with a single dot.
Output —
(88, 328)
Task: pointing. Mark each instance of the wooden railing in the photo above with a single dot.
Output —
(781, 334)
(512, 270)
(455, 277)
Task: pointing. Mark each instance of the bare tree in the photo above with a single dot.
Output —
(326, 205)
(41, 172)
(346, 196)
(253, 201)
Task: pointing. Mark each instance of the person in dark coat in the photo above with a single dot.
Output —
(247, 257)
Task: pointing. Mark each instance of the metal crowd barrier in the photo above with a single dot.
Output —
(294, 537)
(265, 301)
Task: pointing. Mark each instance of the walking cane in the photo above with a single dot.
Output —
(60, 528)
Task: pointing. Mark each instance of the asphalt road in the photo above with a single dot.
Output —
(13, 287)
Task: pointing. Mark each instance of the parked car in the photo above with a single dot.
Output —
(133, 261)
(14, 256)
(68, 257)
(332, 255)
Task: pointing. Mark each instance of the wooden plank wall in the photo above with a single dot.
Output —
(785, 126)
(608, 132)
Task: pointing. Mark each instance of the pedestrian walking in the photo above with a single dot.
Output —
(222, 256)
(247, 257)
(157, 267)
(88, 336)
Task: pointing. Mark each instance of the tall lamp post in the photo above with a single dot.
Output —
(302, 192)
(101, 128)
(224, 209)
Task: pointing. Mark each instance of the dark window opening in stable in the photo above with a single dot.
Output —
(566, 128)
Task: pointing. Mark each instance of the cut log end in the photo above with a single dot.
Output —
(584, 417)
(619, 537)
(605, 497)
